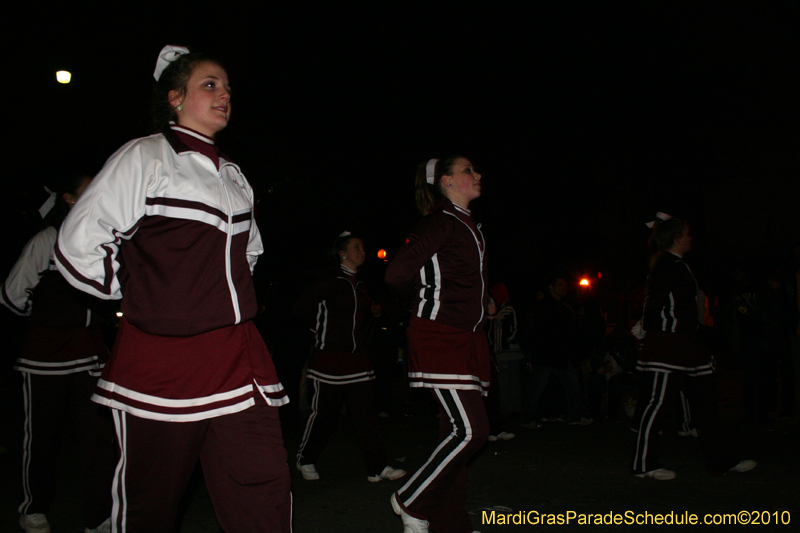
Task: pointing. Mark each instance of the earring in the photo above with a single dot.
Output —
(179, 108)
(451, 185)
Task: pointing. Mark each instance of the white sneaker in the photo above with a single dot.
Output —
(34, 523)
(388, 473)
(661, 474)
(743, 466)
(105, 527)
(503, 435)
(308, 471)
(410, 524)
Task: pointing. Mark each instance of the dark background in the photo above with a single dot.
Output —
(585, 118)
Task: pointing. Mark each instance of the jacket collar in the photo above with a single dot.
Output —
(181, 147)
(454, 209)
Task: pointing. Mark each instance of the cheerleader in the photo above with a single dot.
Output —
(61, 359)
(168, 226)
(672, 360)
(340, 371)
(444, 262)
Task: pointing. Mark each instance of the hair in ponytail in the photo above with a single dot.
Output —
(429, 195)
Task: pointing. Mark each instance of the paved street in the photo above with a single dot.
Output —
(557, 469)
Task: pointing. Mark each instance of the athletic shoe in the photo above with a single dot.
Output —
(105, 527)
(743, 466)
(691, 433)
(582, 422)
(388, 473)
(410, 524)
(503, 435)
(308, 471)
(532, 425)
(661, 474)
(34, 523)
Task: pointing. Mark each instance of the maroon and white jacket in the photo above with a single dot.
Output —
(444, 259)
(334, 307)
(670, 318)
(60, 339)
(173, 235)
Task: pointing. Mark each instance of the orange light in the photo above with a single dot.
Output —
(381, 254)
(584, 282)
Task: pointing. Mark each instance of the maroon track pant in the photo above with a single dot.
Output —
(52, 403)
(243, 461)
(327, 405)
(437, 492)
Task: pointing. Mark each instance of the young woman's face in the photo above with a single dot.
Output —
(354, 255)
(464, 185)
(206, 104)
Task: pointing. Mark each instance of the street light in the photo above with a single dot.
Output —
(63, 76)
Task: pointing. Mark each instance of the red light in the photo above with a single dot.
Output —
(381, 254)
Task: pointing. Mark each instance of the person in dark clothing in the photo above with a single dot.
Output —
(340, 370)
(672, 360)
(62, 358)
(749, 321)
(502, 330)
(554, 338)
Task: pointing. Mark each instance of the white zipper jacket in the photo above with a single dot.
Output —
(164, 211)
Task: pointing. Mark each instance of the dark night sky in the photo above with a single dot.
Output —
(584, 117)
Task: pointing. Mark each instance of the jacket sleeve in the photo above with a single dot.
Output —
(424, 241)
(255, 246)
(108, 211)
(306, 308)
(27, 271)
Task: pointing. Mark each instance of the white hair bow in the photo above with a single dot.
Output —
(48, 204)
(663, 217)
(167, 55)
(430, 171)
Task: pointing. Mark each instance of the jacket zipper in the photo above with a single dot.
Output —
(228, 239)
